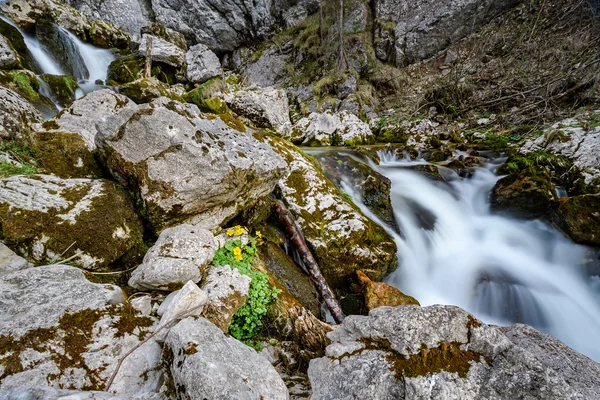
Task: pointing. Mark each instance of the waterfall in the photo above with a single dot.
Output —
(502, 270)
(96, 60)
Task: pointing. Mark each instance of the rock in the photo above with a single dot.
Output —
(267, 108)
(408, 32)
(103, 34)
(180, 254)
(205, 363)
(579, 217)
(46, 392)
(61, 330)
(329, 129)
(83, 116)
(189, 301)
(27, 13)
(222, 27)
(208, 95)
(347, 87)
(9, 59)
(442, 352)
(128, 15)
(379, 294)
(189, 168)
(10, 261)
(64, 50)
(42, 217)
(526, 195)
(126, 68)
(577, 139)
(268, 71)
(26, 84)
(144, 90)
(158, 30)
(62, 86)
(371, 187)
(163, 51)
(342, 239)
(202, 64)
(227, 292)
(65, 155)
(16, 115)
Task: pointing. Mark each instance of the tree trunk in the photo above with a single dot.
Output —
(148, 69)
(293, 233)
(341, 64)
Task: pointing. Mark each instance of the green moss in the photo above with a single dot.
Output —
(205, 91)
(63, 87)
(233, 122)
(129, 322)
(214, 105)
(24, 82)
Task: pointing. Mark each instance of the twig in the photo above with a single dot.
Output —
(61, 254)
(140, 344)
(113, 272)
(77, 254)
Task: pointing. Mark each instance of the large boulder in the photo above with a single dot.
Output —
(342, 239)
(163, 51)
(203, 362)
(16, 115)
(158, 30)
(9, 58)
(408, 31)
(10, 261)
(579, 217)
(202, 64)
(187, 167)
(45, 218)
(266, 108)
(144, 90)
(26, 14)
(180, 254)
(61, 330)
(222, 26)
(442, 352)
(331, 129)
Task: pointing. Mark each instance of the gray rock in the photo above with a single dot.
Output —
(189, 168)
(167, 34)
(267, 108)
(16, 115)
(67, 332)
(180, 254)
(186, 302)
(331, 129)
(268, 70)
(346, 88)
(83, 116)
(9, 58)
(205, 363)
(442, 352)
(227, 292)
(45, 218)
(46, 392)
(222, 26)
(10, 261)
(163, 51)
(144, 90)
(408, 31)
(202, 64)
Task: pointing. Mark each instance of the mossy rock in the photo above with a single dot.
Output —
(579, 218)
(18, 43)
(45, 218)
(65, 154)
(214, 105)
(205, 91)
(126, 68)
(26, 84)
(379, 294)
(144, 90)
(62, 86)
(105, 35)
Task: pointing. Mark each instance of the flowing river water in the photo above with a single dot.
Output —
(502, 270)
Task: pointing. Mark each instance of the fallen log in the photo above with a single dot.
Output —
(293, 233)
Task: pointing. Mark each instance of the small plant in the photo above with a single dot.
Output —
(26, 164)
(247, 322)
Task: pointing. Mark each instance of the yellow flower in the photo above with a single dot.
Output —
(238, 230)
(237, 254)
(258, 234)
(229, 232)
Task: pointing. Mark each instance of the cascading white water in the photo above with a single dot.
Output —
(95, 59)
(502, 270)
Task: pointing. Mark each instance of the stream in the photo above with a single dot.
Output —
(501, 269)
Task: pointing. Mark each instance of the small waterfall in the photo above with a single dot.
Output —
(95, 60)
(502, 270)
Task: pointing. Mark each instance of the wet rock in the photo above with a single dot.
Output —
(16, 115)
(63, 49)
(526, 195)
(10, 261)
(42, 217)
(83, 116)
(342, 239)
(194, 169)
(267, 108)
(103, 34)
(125, 69)
(144, 90)
(372, 187)
(71, 334)
(227, 292)
(26, 84)
(579, 217)
(17, 42)
(9, 59)
(62, 86)
(167, 34)
(329, 129)
(180, 254)
(442, 352)
(205, 363)
(407, 32)
(379, 294)
(163, 51)
(202, 64)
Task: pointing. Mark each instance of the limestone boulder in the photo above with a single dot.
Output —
(202, 64)
(17, 115)
(45, 218)
(579, 217)
(266, 108)
(163, 51)
(180, 254)
(331, 129)
(9, 58)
